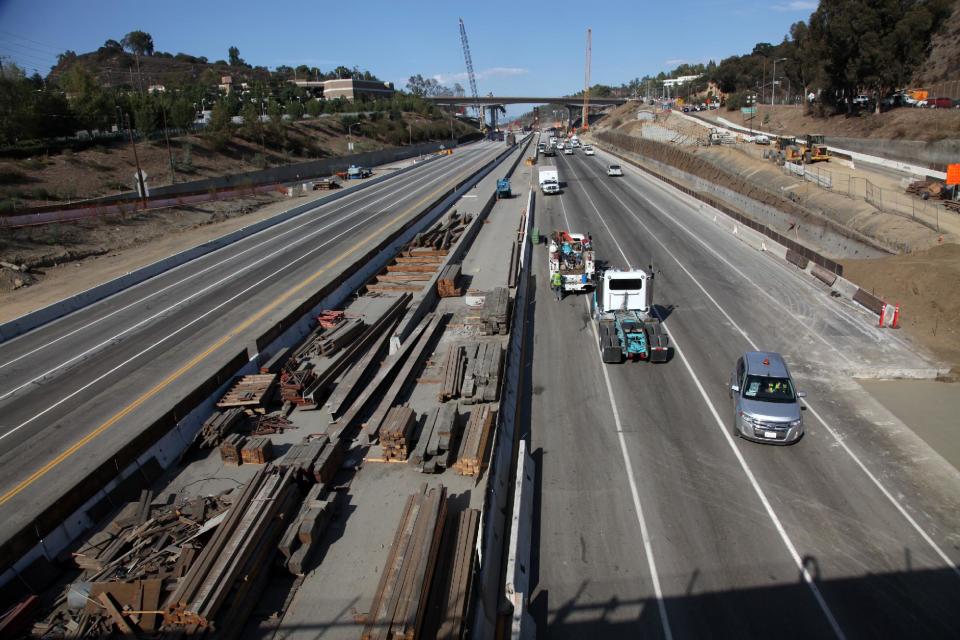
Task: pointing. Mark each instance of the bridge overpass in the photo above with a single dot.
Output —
(491, 100)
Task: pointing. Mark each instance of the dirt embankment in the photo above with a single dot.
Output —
(925, 284)
(897, 124)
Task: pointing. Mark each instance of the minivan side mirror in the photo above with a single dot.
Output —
(801, 394)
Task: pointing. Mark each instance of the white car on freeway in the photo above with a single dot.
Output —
(614, 170)
(568, 151)
(588, 151)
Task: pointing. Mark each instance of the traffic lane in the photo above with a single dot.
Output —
(925, 485)
(717, 551)
(204, 300)
(831, 511)
(112, 366)
(589, 569)
(86, 328)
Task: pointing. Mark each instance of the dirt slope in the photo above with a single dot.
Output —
(924, 283)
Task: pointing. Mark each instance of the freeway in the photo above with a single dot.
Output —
(652, 520)
(74, 391)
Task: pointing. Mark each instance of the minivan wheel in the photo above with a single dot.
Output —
(736, 432)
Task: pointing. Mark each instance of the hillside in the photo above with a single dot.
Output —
(943, 62)
(115, 68)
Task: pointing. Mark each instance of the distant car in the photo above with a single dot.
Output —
(761, 139)
(686, 109)
(560, 146)
(861, 100)
(766, 406)
(568, 151)
(588, 151)
(940, 103)
(614, 170)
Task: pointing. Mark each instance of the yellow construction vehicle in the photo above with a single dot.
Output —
(787, 150)
(815, 149)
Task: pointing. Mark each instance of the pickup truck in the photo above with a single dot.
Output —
(355, 172)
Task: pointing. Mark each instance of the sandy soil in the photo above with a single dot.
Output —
(925, 284)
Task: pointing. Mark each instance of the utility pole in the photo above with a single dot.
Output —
(136, 159)
(173, 171)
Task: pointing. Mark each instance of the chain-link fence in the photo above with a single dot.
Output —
(895, 201)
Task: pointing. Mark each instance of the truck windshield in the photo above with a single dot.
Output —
(626, 284)
(769, 389)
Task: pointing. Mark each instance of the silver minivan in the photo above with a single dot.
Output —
(766, 405)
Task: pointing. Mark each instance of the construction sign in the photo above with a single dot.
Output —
(953, 174)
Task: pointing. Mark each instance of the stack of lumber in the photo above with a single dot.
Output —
(131, 567)
(329, 319)
(453, 585)
(293, 383)
(447, 282)
(251, 392)
(370, 341)
(442, 235)
(399, 606)
(471, 457)
(396, 432)
(306, 530)
(224, 582)
(333, 340)
(300, 458)
(454, 368)
(326, 184)
(438, 439)
(481, 379)
(495, 314)
(219, 425)
(257, 451)
(231, 447)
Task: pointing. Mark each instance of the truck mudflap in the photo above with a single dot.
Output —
(659, 342)
(610, 350)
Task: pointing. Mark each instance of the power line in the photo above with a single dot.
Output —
(52, 47)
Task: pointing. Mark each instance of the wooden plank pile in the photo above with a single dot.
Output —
(228, 575)
(131, 567)
(306, 530)
(396, 433)
(314, 460)
(481, 380)
(471, 458)
(326, 184)
(495, 315)
(438, 438)
(399, 606)
(251, 392)
(257, 451)
(230, 449)
(454, 369)
(219, 425)
(447, 618)
(442, 235)
(447, 282)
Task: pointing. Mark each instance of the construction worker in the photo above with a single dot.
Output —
(556, 282)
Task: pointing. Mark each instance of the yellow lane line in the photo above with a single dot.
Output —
(42, 471)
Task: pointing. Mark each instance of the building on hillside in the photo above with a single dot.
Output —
(226, 85)
(348, 88)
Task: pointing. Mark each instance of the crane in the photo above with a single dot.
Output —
(471, 75)
(584, 120)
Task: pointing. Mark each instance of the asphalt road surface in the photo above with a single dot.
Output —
(652, 520)
(73, 391)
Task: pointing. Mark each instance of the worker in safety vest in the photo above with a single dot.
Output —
(556, 282)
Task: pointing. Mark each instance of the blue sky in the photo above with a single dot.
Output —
(535, 48)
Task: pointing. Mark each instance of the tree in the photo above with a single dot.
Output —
(235, 60)
(139, 43)
(181, 113)
(458, 90)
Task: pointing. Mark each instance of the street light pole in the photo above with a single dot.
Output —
(773, 82)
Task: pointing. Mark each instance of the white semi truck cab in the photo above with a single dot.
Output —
(628, 327)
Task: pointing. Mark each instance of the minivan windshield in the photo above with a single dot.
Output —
(766, 389)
